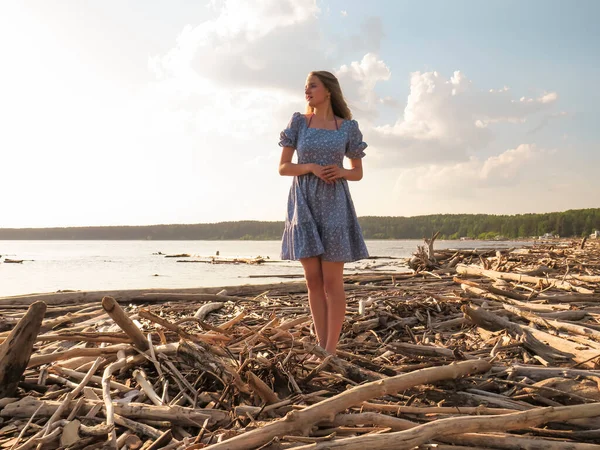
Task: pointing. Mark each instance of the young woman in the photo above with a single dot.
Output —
(321, 228)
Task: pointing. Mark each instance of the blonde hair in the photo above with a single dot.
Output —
(338, 102)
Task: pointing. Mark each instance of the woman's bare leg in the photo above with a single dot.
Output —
(333, 280)
(313, 274)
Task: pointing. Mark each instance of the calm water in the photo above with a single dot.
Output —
(103, 265)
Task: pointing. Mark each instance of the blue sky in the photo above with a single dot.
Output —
(137, 112)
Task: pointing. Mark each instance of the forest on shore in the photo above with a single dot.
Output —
(571, 223)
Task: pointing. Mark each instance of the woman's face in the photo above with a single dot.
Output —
(315, 92)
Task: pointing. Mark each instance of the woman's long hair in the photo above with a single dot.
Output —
(338, 102)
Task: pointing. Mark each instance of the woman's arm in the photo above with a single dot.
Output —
(287, 167)
(355, 173)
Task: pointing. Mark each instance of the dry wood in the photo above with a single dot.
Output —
(397, 322)
(542, 282)
(199, 355)
(347, 369)
(505, 441)
(123, 296)
(38, 360)
(204, 310)
(549, 347)
(210, 338)
(557, 325)
(424, 433)
(117, 314)
(260, 388)
(302, 421)
(478, 410)
(176, 414)
(16, 350)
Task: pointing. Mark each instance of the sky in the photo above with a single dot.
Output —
(135, 112)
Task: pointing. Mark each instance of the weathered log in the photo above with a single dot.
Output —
(511, 442)
(476, 291)
(480, 441)
(549, 347)
(302, 421)
(429, 410)
(121, 318)
(404, 440)
(186, 297)
(557, 325)
(541, 373)
(38, 360)
(123, 296)
(538, 281)
(15, 351)
(176, 414)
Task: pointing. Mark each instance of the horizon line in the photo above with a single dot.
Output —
(281, 221)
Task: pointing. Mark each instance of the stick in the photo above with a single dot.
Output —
(110, 411)
(205, 310)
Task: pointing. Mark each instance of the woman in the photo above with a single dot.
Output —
(321, 228)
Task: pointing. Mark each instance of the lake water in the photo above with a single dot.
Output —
(105, 265)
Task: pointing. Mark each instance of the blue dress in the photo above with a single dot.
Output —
(321, 220)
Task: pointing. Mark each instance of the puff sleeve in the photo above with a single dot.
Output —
(289, 136)
(355, 146)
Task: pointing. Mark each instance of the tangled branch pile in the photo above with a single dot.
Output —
(499, 349)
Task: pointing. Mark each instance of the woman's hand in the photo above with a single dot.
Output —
(320, 171)
(333, 173)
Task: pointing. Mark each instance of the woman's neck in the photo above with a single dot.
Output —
(324, 112)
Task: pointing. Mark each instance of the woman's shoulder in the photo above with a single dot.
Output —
(351, 123)
(297, 117)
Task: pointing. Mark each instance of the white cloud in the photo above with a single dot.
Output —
(462, 177)
(343, 13)
(264, 43)
(359, 79)
(449, 119)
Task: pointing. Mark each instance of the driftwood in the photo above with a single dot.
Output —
(16, 350)
(423, 433)
(117, 314)
(547, 346)
(246, 373)
(541, 282)
(302, 421)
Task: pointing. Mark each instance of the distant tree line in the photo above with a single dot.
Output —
(572, 223)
